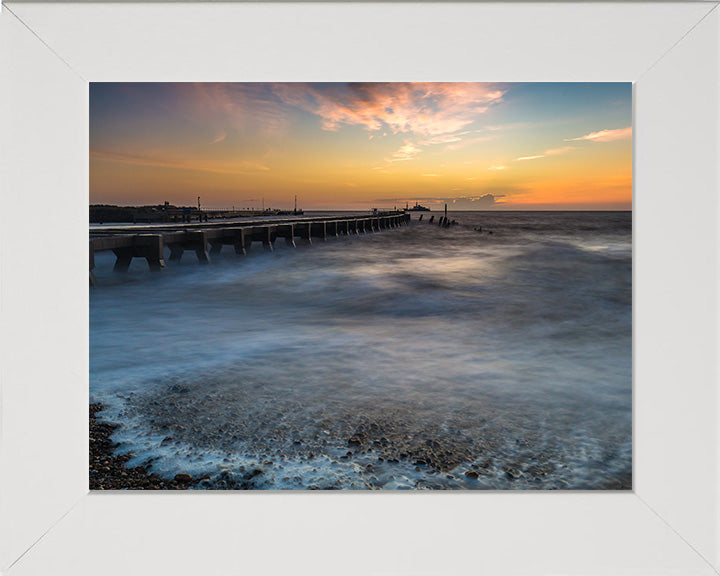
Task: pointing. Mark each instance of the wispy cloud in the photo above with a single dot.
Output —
(443, 139)
(505, 127)
(407, 151)
(220, 137)
(244, 108)
(605, 135)
(556, 151)
(428, 113)
(428, 109)
(463, 142)
(496, 168)
(549, 152)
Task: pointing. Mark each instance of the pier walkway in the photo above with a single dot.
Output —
(208, 238)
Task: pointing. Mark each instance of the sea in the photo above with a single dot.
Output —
(494, 354)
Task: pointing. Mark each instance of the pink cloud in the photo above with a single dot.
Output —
(605, 135)
(427, 109)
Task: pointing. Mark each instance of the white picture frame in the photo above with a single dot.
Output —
(50, 524)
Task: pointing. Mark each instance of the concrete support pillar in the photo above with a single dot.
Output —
(241, 241)
(266, 234)
(91, 254)
(303, 231)
(215, 247)
(123, 258)
(318, 230)
(287, 231)
(197, 240)
(332, 228)
(150, 247)
(176, 252)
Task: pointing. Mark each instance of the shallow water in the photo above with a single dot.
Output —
(400, 359)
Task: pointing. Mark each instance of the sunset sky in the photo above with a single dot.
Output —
(476, 146)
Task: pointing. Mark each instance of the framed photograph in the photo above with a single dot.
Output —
(81, 77)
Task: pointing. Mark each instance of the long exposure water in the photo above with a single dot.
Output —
(417, 357)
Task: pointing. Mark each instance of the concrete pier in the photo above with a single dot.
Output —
(207, 240)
